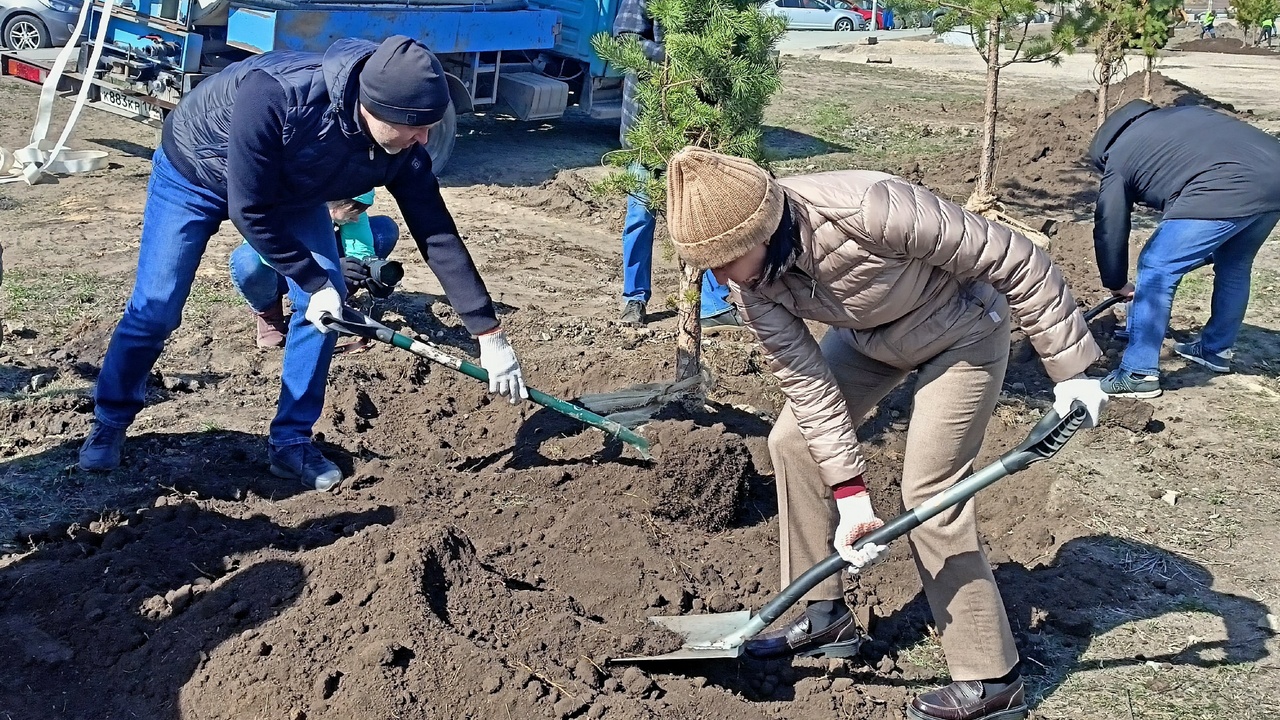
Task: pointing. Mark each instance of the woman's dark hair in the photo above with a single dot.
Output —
(782, 247)
(348, 205)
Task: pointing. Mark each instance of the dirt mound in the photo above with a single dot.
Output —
(1043, 165)
(701, 474)
(1227, 46)
(455, 575)
(569, 195)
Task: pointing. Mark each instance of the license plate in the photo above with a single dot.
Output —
(131, 103)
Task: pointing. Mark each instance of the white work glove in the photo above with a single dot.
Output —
(1085, 389)
(497, 357)
(857, 519)
(324, 301)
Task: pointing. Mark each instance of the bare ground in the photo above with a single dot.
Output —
(486, 562)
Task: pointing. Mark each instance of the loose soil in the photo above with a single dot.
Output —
(1043, 162)
(1226, 46)
(485, 561)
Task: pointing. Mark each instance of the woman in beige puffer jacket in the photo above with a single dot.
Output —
(907, 282)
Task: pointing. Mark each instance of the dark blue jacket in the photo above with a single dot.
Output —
(279, 131)
(1187, 162)
(633, 19)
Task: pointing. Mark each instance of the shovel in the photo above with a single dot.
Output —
(356, 323)
(1101, 307)
(724, 635)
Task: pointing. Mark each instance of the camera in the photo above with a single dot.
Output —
(384, 275)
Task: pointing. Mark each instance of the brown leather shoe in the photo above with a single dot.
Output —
(838, 640)
(964, 701)
(272, 326)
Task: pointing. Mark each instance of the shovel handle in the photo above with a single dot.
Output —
(1043, 442)
(1101, 307)
(356, 323)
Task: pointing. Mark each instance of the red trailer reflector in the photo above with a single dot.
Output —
(26, 71)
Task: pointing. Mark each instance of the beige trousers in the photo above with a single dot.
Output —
(955, 395)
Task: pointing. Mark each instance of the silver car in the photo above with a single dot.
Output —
(32, 24)
(811, 15)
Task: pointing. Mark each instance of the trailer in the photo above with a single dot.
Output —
(530, 58)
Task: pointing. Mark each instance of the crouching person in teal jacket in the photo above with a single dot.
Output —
(365, 243)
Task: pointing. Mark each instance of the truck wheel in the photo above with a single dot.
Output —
(440, 141)
(25, 32)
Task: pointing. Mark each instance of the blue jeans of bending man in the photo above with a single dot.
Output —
(1176, 248)
(637, 261)
(262, 287)
(177, 223)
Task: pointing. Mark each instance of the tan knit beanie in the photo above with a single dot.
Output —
(719, 207)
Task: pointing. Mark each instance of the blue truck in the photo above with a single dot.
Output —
(529, 58)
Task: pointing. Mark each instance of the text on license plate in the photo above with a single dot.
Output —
(115, 98)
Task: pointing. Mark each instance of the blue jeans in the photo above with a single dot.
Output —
(177, 223)
(1177, 247)
(262, 287)
(637, 262)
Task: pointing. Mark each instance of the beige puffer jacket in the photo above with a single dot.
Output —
(910, 275)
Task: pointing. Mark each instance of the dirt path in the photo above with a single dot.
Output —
(485, 562)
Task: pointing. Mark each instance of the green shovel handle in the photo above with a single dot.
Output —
(356, 323)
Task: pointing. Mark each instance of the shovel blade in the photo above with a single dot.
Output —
(703, 637)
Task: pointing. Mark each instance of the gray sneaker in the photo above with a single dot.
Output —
(102, 450)
(304, 462)
(1195, 352)
(727, 320)
(633, 313)
(1122, 383)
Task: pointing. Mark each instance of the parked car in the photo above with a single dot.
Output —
(33, 24)
(812, 15)
(920, 18)
(863, 8)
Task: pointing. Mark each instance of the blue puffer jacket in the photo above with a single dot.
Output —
(279, 131)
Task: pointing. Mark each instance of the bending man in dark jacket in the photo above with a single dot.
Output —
(265, 143)
(1217, 181)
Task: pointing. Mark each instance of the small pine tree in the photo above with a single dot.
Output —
(711, 91)
(1155, 22)
(1251, 13)
(1111, 26)
(1001, 33)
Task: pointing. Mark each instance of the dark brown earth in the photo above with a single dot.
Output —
(484, 561)
(1228, 46)
(1043, 163)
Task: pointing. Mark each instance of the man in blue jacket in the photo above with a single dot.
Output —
(266, 143)
(716, 313)
(1216, 179)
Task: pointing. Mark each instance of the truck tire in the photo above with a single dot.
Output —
(440, 141)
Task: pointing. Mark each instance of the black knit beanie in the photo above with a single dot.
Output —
(403, 83)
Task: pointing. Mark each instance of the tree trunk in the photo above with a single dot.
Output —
(987, 161)
(1146, 79)
(688, 327)
(1102, 96)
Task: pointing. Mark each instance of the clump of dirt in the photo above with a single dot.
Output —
(1227, 46)
(1043, 165)
(656, 640)
(1130, 414)
(700, 474)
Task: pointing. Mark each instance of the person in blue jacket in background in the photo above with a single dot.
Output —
(362, 240)
(717, 312)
